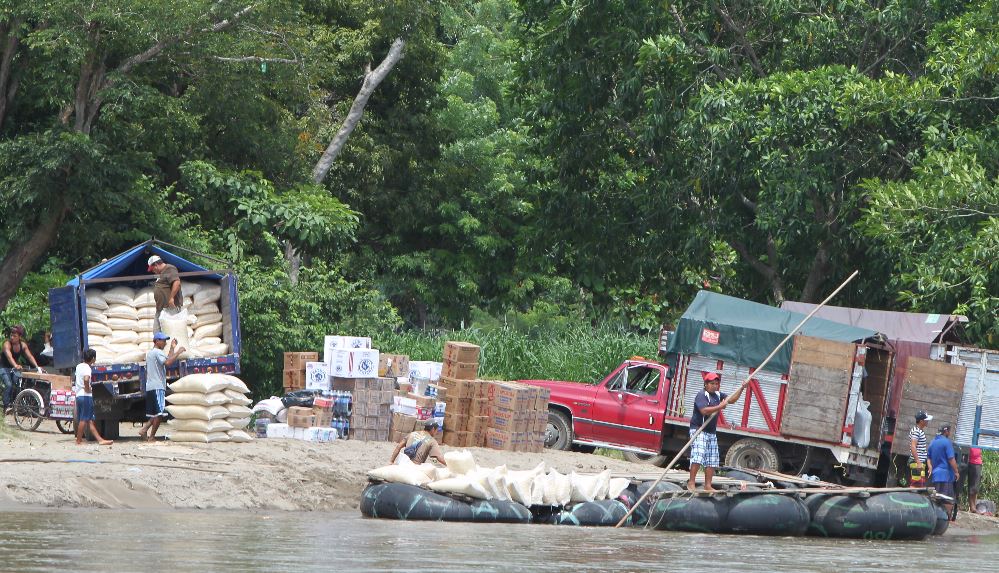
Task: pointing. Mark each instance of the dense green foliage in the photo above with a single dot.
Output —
(563, 163)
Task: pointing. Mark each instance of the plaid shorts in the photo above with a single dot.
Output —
(704, 450)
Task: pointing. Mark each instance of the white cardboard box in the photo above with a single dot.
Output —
(425, 370)
(317, 376)
(275, 430)
(332, 343)
(361, 363)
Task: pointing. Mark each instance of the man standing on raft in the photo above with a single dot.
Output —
(704, 450)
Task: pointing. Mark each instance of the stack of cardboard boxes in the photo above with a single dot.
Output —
(371, 417)
(518, 414)
(294, 369)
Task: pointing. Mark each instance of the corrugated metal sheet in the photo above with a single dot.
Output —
(981, 388)
(731, 376)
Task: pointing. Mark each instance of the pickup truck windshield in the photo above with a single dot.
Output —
(636, 380)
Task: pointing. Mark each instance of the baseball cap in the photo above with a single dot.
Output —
(152, 261)
(709, 376)
(160, 336)
(431, 425)
(944, 429)
(922, 415)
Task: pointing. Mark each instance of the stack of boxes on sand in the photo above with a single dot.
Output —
(294, 375)
(120, 322)
(208, 408)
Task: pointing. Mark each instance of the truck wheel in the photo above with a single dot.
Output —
(558, 432)
(752, 454)
(658, 461)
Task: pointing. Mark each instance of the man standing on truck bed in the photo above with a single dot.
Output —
(166, 288)
(704, 450)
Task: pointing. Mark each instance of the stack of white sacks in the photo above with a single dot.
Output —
(209, 408)
(120, 322)
(527, 487)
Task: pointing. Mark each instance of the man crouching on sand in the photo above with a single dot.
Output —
(704, 450)
(85, 400)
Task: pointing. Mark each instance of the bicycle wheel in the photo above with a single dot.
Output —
(66, 426)
(28, 410)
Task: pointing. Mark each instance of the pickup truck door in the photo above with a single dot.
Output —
(628, 407)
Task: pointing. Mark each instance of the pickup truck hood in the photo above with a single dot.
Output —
(564, 392)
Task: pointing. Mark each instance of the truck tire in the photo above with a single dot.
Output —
(558, 432)
(752, 454)
(658, 461)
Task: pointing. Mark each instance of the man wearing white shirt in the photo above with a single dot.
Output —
(85, 400)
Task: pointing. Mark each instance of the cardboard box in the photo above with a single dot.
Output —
(393, 365)
(541, 402)
(461, 352)
(301, 417)
(436, 391)
(397, 436)
(297, 360)
(317, 376)
(404, 405)
(346, 384)
(511, 395)
(503, 419)
(324, 418)
(456, 422)
(459, 406)
(331, 343)
(404, 388)
(293, 379)
(478, 408)
(460, 370)
(424, 413)
(403, 423)
(424, 370)
(361, 363)
(56, 381)
(499, 440)
(457, 388)
(477, 424)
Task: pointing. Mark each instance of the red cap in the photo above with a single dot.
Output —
(710, 376)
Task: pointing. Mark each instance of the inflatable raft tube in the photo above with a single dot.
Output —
(683, 513)
(641, 514)
(893, 515)
(409, 502)
(606, 512)
(767, 514)
(943, 521)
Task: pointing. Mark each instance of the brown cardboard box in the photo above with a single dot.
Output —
(465, 439)
(300, 417)
(458, 406)
(460, 370)
(56, 381)
(499, 440)
(387, 384)
(461, 352)
(397, 436)
(403, 423)
(477, 423)
(457, 388)
(511, 395)
(541, 402)
(393, 365)
(323, 417)
(297, 360)
(503, 419)
(349, 384)
(455, 422)
(404, 388)
(294, 379)
(479, 408)
(423, 401)
(449, 438)
(478, 438)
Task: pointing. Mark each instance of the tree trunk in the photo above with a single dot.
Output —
(768, 271)
(9, 43)
(23, 254)
(817, 274)
(371, 80)
(294, 259)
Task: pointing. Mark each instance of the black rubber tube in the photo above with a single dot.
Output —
(606, 512)
(641, 514)
(893, 515)
(495, 511)
(408, 502)
(683, 513)
(767, 514)
(943, 520)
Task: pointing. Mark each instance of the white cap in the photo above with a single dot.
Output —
(152, 261)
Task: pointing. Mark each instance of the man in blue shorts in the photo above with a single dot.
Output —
(704, 450)
(156, 365)
(944, 464)
(85, 400)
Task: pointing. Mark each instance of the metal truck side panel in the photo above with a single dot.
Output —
(64, 308)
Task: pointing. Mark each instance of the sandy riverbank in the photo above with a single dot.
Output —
(46, 468)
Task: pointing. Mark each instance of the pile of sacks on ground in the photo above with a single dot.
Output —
(526, 487)
(120, 322)
(208, 408)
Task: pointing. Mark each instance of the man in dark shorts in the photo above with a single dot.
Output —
(156, 365)
(944, 464)
(85, 400)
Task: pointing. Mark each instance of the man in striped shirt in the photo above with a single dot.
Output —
(919, 464)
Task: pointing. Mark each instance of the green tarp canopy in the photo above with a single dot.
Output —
(745, 332)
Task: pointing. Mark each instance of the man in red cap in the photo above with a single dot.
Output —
(704, 450)
(166, 289)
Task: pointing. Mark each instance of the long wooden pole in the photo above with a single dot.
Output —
(741, 386)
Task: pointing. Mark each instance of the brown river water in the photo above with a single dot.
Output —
(180, 541)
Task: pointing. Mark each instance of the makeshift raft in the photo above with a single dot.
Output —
(740, 507)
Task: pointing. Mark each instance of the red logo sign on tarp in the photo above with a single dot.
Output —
(710, 336)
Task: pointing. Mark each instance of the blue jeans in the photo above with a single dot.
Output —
(9, 377)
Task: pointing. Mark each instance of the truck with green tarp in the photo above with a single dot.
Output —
(820, 407)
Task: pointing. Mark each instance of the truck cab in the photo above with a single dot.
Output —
(625, 411)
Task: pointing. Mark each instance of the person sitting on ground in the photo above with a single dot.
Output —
(13, 359)
(941, 456)
(85, 400)
(974, 477)
(704, 450)
(421, 445)
(156, 365)
(919, 464)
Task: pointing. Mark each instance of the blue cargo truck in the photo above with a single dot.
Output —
(119, 387)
